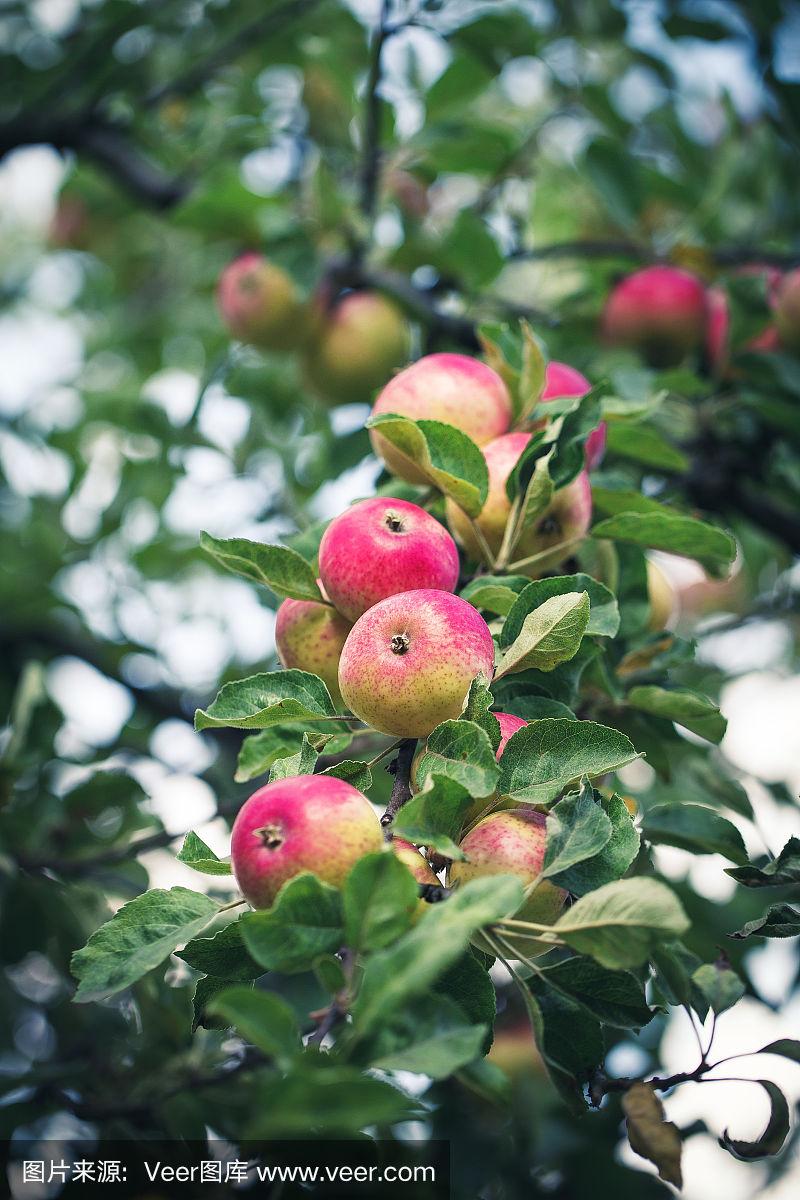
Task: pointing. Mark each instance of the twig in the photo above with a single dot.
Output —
(401, 788)
(371, 150)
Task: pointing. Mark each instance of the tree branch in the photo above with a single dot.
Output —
(110, 147)
(401, 788)
(371, 149)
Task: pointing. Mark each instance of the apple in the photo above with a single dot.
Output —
(719, 319)
(380, 547)
(509, 724)
(787, 310)
(563, 380)
(359, 340)
(663, 597)
(452, 388)
(512, 842)
(416, 862)
(260, 305)
(306, 823)
(568, 515)
(309, 636)
(660, 311)
(514, 1051)
(409, 660)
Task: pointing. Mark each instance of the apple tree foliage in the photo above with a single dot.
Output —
(493, 169)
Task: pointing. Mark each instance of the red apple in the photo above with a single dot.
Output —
(306, 823)
(380, 547)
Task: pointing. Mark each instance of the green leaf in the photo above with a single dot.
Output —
(494, 593)
(468, 984)
(707, 544)
(650, 1135)
(646, 445)
(280, 569)
(690, 709)
(550, 635)
(614, 997)
(224, 955)
(476, 709)
(534, 369)
(620, 923)
(613, 860)
(461, 751)
(577, 829)
(615, 175)
(570, 1041)
(267, 699)
(260, 750)
(446, 456)
(379, 898)
(304, 922)
(502, 348)
(540, 760)
(352, 771)
(603, 613)
(612, 501)
(430, 1037)
(782, 871)
(784, 1048)
(200, 857)
(721, 986)
(301, 763)
(538, 496)
(320, 1097)
(408, 968)
(138, 937)
(262, 1019)
(205, 989)
(774, 1135)
(696, 828)
(435, 816)
(781, 920)
(674, 966)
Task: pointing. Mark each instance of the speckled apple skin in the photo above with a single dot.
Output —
(453, 388)
(356, 347)
(259, 303)
(660, 311)
(310, 637)
(512, 842)
(509, 724)
(563, 380)
(407, 695)
(411, 857)
(364, 557)
(569, 514)
(324, 825)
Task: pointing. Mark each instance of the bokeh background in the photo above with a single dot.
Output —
(145, 146)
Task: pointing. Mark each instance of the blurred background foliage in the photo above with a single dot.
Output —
(478, 162)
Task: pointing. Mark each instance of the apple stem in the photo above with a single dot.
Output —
(483, 545)
(533, 558)
(387, 750)
(510, 535)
